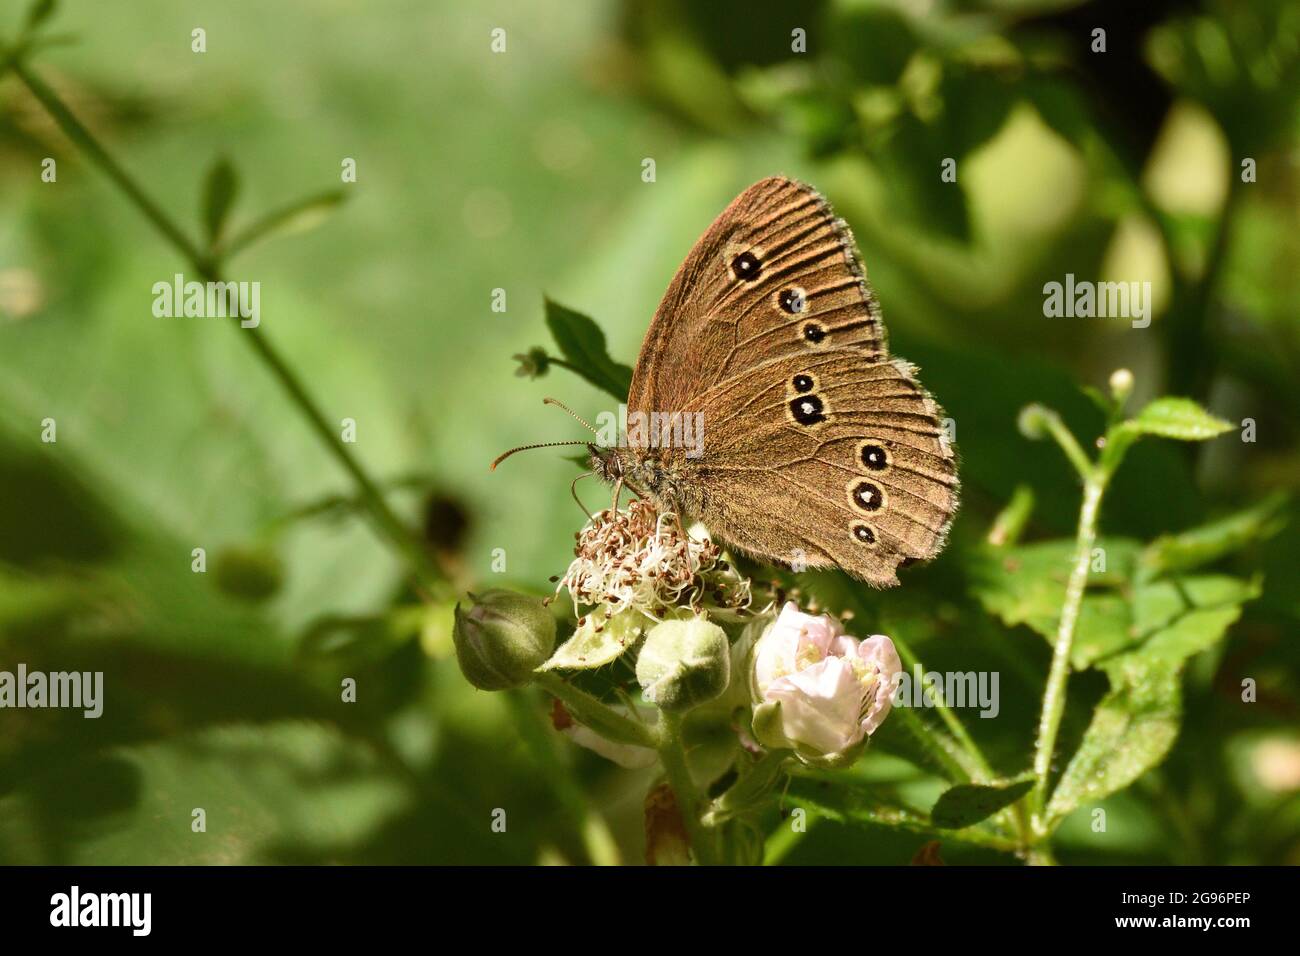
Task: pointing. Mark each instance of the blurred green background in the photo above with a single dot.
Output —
(522, 171)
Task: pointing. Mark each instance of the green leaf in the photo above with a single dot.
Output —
(1131, 731)
(1184, 617)
(299, 216)
(39, 12)
(1203, 545)
(598, 641)
(968, 803)
(1026, 585)
(1166, 622)
(219, 191)
(1105, 627)
(1136, 723)
(583, 345)
(1179, 418)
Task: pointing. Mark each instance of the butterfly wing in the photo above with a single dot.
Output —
(714, 309)
(826, 460)
(818, 447)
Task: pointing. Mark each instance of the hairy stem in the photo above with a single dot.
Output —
(1069, 444)
(957, 764)
(673, 756)
(974, 765)
(1058, 676)
(598, 716)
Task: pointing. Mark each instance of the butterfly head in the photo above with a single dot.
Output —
(606, 463)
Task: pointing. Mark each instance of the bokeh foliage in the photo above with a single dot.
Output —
(522, 171)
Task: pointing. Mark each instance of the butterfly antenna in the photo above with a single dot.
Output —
(575, 415)
(546, 444)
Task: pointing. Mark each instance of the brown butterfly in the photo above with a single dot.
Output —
(818, 447)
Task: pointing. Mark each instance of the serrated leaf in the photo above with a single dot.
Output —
(1200, 546)
(1131, 731)
(1178, 418)
(1137, 721)
(1026, 584)
(219, 191)
(1184, 617)
(299, 216)
(968, 803)
(598, 641)
(583, 344)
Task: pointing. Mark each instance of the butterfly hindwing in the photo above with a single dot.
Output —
(848, 457)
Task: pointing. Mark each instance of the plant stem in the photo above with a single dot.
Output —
(1069, 444)
(83, 138)
(538, 738)
(673, 756)
(785, 838)
(973, 763)
(389, 526)
(899, 818)
(598, 716)
(1058, 676)
(956, 764)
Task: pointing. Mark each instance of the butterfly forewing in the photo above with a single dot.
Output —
(804, 288)
(818, 447)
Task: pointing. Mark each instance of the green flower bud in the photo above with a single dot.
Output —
(251, 574)
(684, 663)
(502, 639)
(1121, 385)
(1032, 421)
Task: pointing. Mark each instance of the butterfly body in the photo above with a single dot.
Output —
(808, 443)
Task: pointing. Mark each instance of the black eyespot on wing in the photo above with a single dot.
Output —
(793, 300)
(813, 332)
(802, 383)
(808, 410)
(873, 456)
(746, 266)
(863, 534)
(866, 495)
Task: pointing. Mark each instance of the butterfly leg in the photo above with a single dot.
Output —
(573, 490)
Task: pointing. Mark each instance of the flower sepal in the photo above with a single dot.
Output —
(769, 730)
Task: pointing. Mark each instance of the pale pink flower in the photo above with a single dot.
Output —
(818, 690)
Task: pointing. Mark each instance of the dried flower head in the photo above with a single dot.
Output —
(638, 558)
